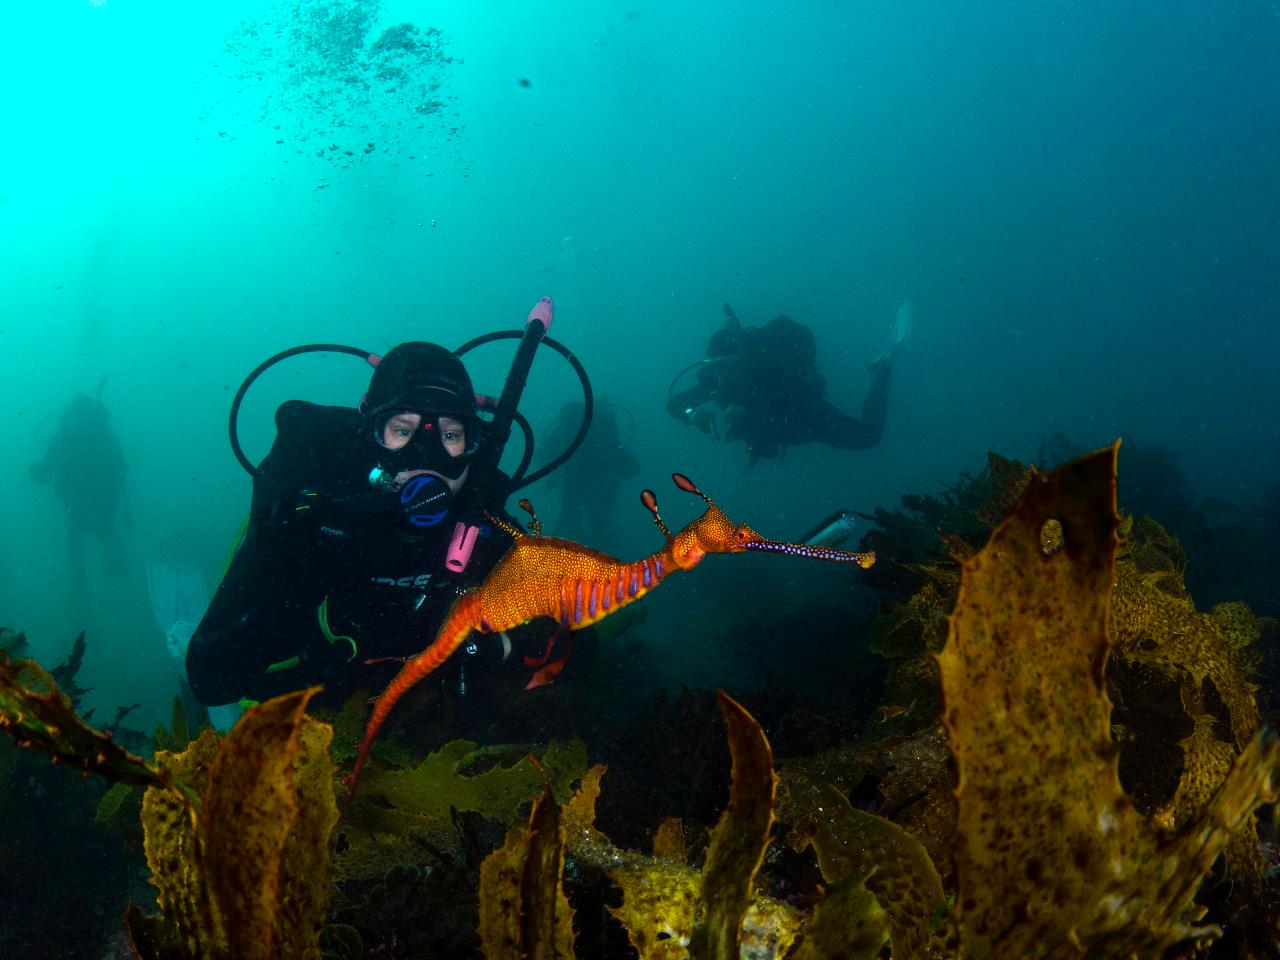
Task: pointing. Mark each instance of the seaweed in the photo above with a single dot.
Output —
(36, 713)
(1085, 752)
(51, 815)
(523, 908)
(239, 847)
(12, 642)
(1051, 856)
(403, 811)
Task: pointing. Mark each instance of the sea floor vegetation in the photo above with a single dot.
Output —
(1061, 755)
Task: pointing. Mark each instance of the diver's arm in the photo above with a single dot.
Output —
(683, 404)
(232, 657)
(262, 614)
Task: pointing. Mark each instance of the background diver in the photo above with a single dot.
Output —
(590, 482)
(765, 382)
(85, 468)
(364, 526)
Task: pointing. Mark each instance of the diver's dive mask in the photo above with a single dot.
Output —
(423, 459)
(444, 436)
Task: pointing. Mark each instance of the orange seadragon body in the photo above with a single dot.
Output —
(550, 577)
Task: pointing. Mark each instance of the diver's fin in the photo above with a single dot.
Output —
(223, 718)
(179, 597)
(903, 322)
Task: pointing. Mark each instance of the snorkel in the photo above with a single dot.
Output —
(536, 327)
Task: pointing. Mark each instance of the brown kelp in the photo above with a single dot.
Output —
(36, 713)
(1052, 858)
(1061, 843)
(239, 851)
(47, 814)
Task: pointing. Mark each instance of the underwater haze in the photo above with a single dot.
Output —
(1079, 199)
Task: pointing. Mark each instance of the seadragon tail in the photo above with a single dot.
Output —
(462, 620)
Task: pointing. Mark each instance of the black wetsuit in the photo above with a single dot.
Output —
(773, 396)
(317, 534)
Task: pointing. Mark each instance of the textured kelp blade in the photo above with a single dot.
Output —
(1051, 857)
(34, 712)
(170, 822)
(668, 841)
(396, 811)
(739, 840)
(547, 918)
(848, 924)
(659, 903)
(523, 909)
(436, 785)
(1154, 623)
(500, 875)
(660, 899)
(851, 844)
(1153, 626)
(250, 807)
(579, 818)
(238, 848)
(304, 866)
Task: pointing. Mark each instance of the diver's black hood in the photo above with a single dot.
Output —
(424, 377)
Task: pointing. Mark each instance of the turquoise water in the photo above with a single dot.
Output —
(1078, 198)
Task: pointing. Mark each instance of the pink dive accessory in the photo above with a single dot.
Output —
(543, 310)
(460, 547)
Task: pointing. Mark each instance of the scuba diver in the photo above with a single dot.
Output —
(765, 383)
(85, 467)
(590, 483)
(366, 523)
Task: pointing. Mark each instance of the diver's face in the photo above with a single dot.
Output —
(401, 428)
